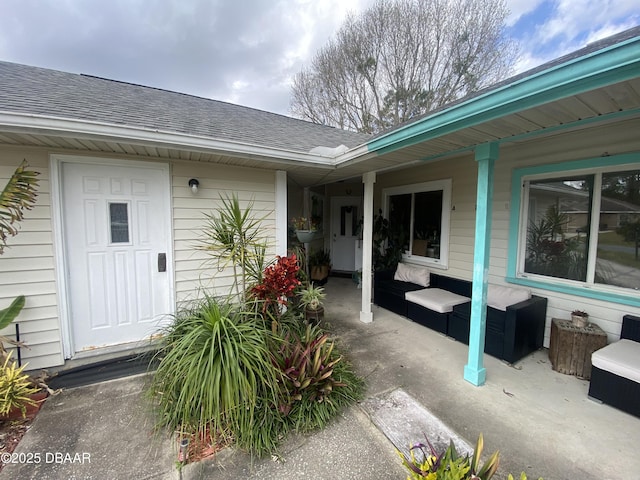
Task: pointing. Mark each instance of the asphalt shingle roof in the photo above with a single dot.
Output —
(39, 91)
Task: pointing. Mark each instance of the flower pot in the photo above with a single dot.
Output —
(30, 410)
(579, 321)
(305, 236)
(319, 272)
(314, 316)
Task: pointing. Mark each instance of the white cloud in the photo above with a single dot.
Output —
(519, 8)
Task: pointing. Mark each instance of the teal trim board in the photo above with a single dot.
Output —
(519, 176)
(597, 69)
(474, 371)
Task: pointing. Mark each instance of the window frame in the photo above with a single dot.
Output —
(430, 186)
(518, 227)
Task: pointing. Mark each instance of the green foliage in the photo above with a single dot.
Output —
(311, 297)
(318, 382)
(387, 243)
(319, 258)
(523, 476)
(7, 315)
(430, 465)
(424, 463)
(15, 387)
(232, 237)
(216, 371)
(550, 252)
(630, 231)
(18, 195)
(222, 369)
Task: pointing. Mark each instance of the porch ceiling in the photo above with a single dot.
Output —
(594, 107)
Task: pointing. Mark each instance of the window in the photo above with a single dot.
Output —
(582, 227)
(419, 220)
(119, 222)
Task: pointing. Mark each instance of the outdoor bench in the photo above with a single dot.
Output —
(615, 370)
(515, 318)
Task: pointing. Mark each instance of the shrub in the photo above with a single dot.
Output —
(449, 465)
(215, 371)
(15, 388)
(317, 381)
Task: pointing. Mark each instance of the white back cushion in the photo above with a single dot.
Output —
(412, 274)
(500, 296)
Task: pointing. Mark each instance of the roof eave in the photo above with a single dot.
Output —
(91, 130)
(597, 69)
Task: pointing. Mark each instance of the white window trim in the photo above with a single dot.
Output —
(443, 185)
(589, 283)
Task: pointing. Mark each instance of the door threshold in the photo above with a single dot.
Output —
(103, 366)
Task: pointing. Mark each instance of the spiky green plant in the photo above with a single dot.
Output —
(15, 387)
(18, 195)
(234, 237)
(215, 371)
(448, 465)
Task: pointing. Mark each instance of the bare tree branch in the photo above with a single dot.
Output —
(403, 58)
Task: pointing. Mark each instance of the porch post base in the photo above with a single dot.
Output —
(366, 317)
(475, 376)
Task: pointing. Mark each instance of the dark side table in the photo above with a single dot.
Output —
(570, 347)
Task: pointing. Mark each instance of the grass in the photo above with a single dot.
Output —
(612, 238)
(623, 258)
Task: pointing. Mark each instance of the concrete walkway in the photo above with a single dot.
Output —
(541, 421)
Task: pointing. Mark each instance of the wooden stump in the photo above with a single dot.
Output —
(570, 347)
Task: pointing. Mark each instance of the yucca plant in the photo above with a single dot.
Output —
(215, 371)
(16, 388)
(234, 237)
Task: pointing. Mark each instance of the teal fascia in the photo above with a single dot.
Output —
(474, 371)
(595, 70)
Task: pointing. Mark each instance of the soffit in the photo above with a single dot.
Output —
(597, 106)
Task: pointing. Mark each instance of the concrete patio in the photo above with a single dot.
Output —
(541, 421)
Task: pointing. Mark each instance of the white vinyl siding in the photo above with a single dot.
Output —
(27, 268)
(595, 142)
(195, 272)
(463, 173)
(28, 264)
(610, 139)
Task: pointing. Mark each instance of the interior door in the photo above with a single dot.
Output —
(346, 213)
(118, 251)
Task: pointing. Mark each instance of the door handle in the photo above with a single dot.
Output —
(162, 262)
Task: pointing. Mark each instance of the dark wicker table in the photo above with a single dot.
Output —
(570, 347)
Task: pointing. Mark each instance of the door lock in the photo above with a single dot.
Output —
(162, 262)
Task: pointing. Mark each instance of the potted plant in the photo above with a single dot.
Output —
(305, 229)
(311, 301)
(579, 318)
(19, 396)
(320, 265)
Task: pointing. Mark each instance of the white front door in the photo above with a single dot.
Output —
(346, 213)
(117, 241)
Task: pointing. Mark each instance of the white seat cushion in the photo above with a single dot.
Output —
(621, 358)
(500, 296)
(436, 299)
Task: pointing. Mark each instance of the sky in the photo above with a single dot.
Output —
(248, 51)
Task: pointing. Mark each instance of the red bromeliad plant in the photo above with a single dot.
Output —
(279, 282)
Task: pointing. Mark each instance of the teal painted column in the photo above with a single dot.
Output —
(474, 371)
